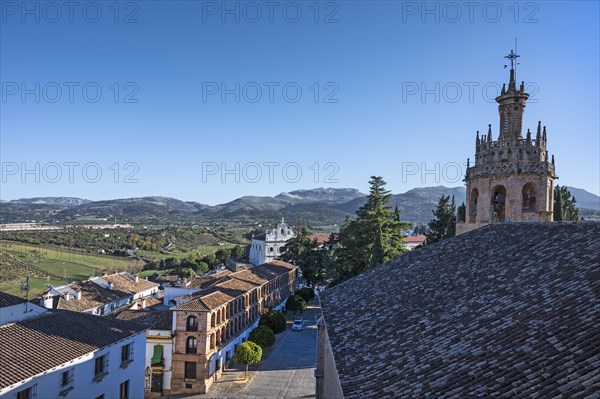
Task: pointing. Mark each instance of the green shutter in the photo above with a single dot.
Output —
(158, 354)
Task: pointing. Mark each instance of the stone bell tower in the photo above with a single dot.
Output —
(512, 179)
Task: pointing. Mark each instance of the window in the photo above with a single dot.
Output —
(124, 390)
(101, 367)
(192, 323)
(190, 345)
(190, 371)
(66, 381)
(28, 393)
(126, 354)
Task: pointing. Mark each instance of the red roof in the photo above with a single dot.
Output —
(415, 239)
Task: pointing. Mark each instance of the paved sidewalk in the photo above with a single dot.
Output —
(286, 370)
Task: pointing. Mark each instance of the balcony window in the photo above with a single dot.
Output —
(126, 354)
(192, 323)
(190, 345)
(100, 367)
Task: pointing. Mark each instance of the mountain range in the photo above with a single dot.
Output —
(313, 207)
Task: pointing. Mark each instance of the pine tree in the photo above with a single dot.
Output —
(444, 224)
(374, 237)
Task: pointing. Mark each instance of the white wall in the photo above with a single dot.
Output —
(151, 341)
(48, 385)
(18, 312)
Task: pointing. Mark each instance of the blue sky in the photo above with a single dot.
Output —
(210, 101)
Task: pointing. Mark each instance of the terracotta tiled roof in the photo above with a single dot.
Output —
(9, 300)
(92, 296)
(209, 279)
(155, 319)
(232, 285)
(415, 239)
(125, 283)
(507, 310)
(35, 345)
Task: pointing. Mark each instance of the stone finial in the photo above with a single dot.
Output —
(552, 159)
(489, 135)
(477, 141)
(468, 163)
(539, 128)
(528, 136)
(544, 134)
(503, 89)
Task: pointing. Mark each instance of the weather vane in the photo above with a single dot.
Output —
(513, 57)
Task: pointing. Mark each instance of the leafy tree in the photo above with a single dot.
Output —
(308, 255)
(183, 272)
(222, 255)
(237, 252)
(202, 266)
(564, 205)
(210, 260)
(304, 294)
(274, 320)
(444, 224)
(247, 353)
(295, 303)
(374, 237)
(263, 336)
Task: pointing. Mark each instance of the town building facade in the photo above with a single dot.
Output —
(266, 247)
(159, 347)
(72, 355)
(210, 323)
(512, 178)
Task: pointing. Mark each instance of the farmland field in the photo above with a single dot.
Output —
(59, 265)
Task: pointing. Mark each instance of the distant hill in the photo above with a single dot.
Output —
(326, 195)
(66, 201)
(585, 199)
(315, 207)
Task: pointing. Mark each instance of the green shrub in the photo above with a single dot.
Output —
(263, 336)
(274, 320)
(295, 303)
(304, 294)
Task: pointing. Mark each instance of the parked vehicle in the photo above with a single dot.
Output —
(297, 325)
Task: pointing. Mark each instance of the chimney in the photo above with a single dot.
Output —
(47, 300)
(137, 279)
(110, 286)
(67, 296)
(78, 294)
(144, 303)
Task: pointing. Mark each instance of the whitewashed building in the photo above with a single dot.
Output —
(13, 308)
(159, 348)
(266, 247)
(98, 295)
(72, 355)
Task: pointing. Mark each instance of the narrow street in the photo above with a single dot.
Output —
(287, 368)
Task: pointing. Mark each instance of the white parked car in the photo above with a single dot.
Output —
(297, 326)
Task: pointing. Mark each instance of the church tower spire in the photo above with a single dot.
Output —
(512, 178)
(511, 105)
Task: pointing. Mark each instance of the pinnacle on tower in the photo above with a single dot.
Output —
(528, 136)
(489, 133)
(544, 134)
